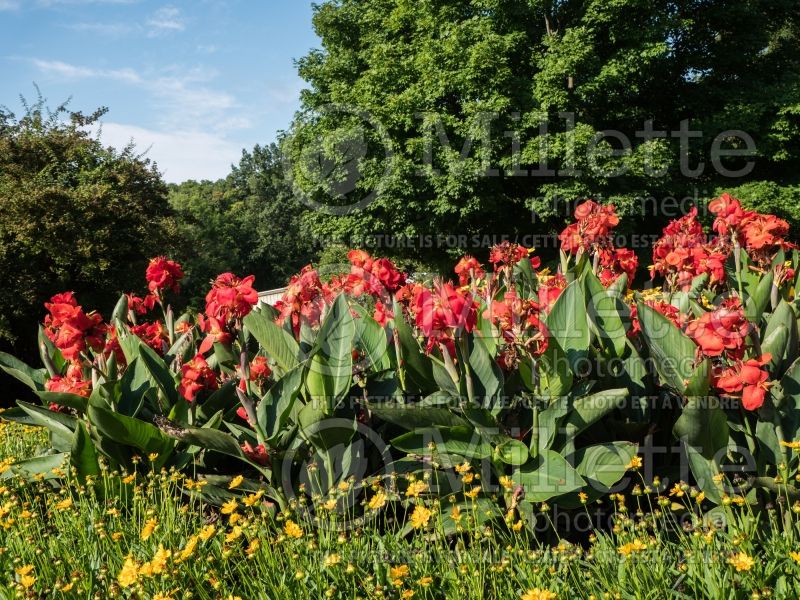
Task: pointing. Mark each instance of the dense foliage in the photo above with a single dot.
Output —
(422, 70)
(72, 214)
(549, 385)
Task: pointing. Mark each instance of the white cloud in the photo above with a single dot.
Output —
(166, 19)
(180, 155)
(69, 71)
(106, 29)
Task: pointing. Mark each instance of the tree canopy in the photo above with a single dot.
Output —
(417, 73)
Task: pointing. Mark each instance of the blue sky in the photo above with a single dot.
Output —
(194, 81)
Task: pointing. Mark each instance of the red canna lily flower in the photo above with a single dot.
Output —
(140, 306)
(163, 273)
(257, 454)
(749, 379)
(723, 330)
(71, 383)
(230, 297)
(196, 377)
(153, 334)
(442, 313)
(468, 269)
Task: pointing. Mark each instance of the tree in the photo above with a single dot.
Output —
(73, 216)
(473, 70)
(248, 223)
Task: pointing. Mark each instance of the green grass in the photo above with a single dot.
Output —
(59, 539)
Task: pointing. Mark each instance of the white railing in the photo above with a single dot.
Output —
(271, 296)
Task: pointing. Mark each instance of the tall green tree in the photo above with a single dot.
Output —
(485, 75)
(74, 215)
(247, 223)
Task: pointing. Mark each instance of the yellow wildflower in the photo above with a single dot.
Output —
(399, 572)
(148, 528)
(64, 504)
(741, 561)
(253, 499)
(795, 445)
(630, 547)
(538, 594)
(189, 548)
(467, 478)
(463, 468)
(517, 526)
(27, 581)
(420, 517)
(636, 463)
(235, 482)
(473, 493)
(234, 534)
(67, 587)
(795, 556)
(25, 570)
(207, 532)
(292, 529)
(455, 514)
(229, 507)
(253, 547)
(676, 490)
(129, 478)
(506, 482)
(583, 497)
(425, 581)
(162, 596)
(330, 504)
(415, 488)
(378, 501)
(129, 573)
(407, 594)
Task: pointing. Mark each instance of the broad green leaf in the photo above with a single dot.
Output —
(548, 476)
(37, 466)
(703, 425)
(784, 316)
(84, 456)
(412, 360)
(278, 344)
(411, 416)
(120, 429)
(33, 378)
(330, 371)
(757, 303)
(61, 426)
(459, 440)
(79, 403)
(568, 324)
(487, 372)
(604, 309)
(603, 465)
(275, 407)
(673, 353)
(513, 452)
(371, 338)
(588, 410)
(159, 373)
(555, 374)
